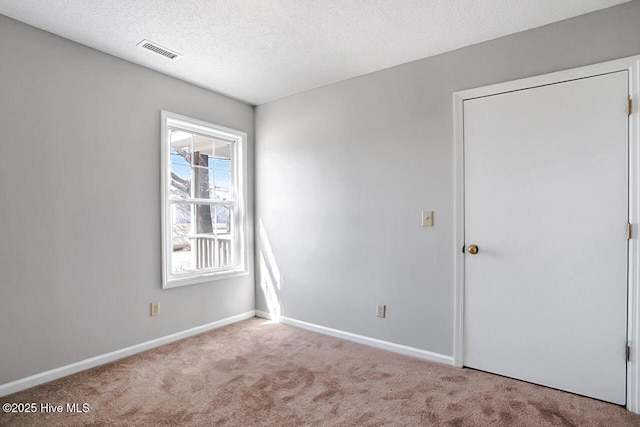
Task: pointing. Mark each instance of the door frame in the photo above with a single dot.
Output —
(630, 64)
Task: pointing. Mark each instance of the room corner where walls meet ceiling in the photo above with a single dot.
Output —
(257, 52)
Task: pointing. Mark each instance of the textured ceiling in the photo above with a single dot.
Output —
(261, 50)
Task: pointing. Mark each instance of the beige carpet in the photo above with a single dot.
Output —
(257, 373)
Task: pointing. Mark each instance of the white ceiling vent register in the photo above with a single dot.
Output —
(155, 47)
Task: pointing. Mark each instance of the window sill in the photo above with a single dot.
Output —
(204, 278)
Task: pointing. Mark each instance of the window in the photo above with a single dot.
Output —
(203, 201)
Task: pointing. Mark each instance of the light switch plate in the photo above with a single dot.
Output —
(427, 218)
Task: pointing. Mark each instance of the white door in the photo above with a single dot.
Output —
(546, 203)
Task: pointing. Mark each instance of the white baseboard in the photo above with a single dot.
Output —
(373, 342)
(63, 371)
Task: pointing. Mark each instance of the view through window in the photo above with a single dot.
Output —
(203, 201)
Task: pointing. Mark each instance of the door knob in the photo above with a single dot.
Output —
(473, 249)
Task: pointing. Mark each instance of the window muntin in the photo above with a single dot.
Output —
(203, 201)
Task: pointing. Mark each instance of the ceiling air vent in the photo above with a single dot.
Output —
(154, 47)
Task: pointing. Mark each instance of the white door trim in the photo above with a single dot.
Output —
(630, 64)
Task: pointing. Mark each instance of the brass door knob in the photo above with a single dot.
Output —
(473, 249)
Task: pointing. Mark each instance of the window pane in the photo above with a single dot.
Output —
(205, 251)
(222, 188)
(181, 220)
(213, 236)
(203, 183)
(223, 220)
(181, 255)
(222, 171)
(224, 254)
(224, 235)
(205, 219)
(205, 236)
(223, 155)
(180, 147)
(181, 241)
(180, 181)
(202, 150)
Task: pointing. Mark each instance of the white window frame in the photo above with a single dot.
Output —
(239, 183)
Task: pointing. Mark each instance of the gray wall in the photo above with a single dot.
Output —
(343, 172)
(80, 203)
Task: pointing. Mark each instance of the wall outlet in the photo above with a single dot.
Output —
(155, 308)
(382, 310)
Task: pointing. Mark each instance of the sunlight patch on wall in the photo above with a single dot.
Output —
(270, 279)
